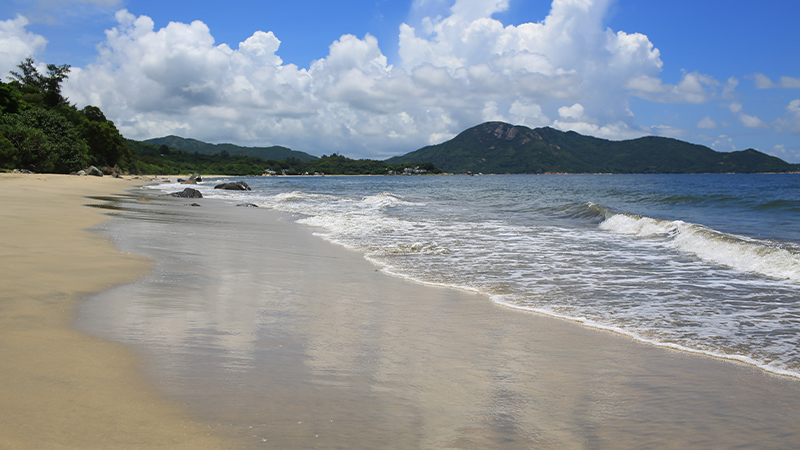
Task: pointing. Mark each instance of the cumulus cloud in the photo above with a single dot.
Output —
(529, 114)
(751, 121)
(693, 88)
(764, 82)
(707, 123)
(16, 44)
(723, 143)
(454, 71)
(615, 131)
(787, 154)
(791, 123)
(571, 112)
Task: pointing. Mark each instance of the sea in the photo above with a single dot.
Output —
(703, 263)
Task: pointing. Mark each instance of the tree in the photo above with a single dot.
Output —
(44, 141)
(10, 99)
(8, 153)
(29, 76)
(106, 145)
(48, 85)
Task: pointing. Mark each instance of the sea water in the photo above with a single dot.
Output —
(703, 263)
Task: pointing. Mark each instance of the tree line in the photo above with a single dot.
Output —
(162, 160)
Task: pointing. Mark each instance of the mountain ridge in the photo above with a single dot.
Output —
(275, 152)
(499, 147)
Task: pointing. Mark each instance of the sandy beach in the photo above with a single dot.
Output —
(60, 388)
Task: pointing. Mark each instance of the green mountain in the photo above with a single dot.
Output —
(497, 147)
(193, 145)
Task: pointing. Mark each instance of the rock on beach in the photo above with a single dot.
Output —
(187, 193)
(234, 186)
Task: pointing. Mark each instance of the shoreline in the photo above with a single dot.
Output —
(60, 388)
(311, 347)
(589, 325)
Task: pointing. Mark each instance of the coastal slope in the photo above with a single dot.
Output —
(497, 147)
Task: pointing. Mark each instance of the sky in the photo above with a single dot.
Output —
(378, 78)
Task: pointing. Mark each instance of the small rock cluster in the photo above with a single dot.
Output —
(114, 172)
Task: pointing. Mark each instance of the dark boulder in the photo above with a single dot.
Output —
(188, 193)
(234, 186)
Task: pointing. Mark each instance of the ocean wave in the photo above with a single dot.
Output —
(738, 252)
(591, 211)
(385, 200)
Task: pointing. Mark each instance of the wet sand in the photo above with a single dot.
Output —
(279, 339)
(61, 389)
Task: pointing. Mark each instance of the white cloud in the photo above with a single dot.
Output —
(786, 154)
(723, 143)
(571, 112)
(746, 119)
(707, 123)
(615, 131)
(764, 82)
(791, 123)
(751, 121)
(730, 88)
(16, 44)
(794, 107)
(453, 73)
(694, 87)
(529, 114)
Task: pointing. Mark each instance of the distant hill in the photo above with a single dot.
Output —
(193, 145)
(497, 147)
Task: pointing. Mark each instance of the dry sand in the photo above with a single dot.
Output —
(58, 387)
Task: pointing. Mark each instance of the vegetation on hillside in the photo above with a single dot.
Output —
(165, 160)
(497, 147)
(275, 152)
(41, 132)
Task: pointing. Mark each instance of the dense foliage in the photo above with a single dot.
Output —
(497, 147)
(165, 160)
(40, 131)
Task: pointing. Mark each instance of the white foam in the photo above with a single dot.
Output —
(738, 252)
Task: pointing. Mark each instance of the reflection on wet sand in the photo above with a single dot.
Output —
(277, 337)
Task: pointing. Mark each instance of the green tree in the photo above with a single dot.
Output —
(8, 153)
(45, 141)
(106, 145)
(48, 86)
(10, 99)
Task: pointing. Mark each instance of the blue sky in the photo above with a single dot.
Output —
(377, 78)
